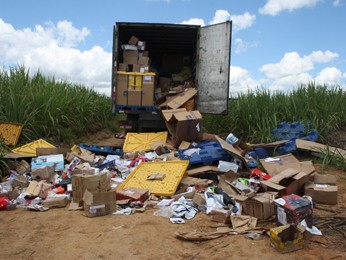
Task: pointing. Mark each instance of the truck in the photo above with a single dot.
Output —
(202, 51)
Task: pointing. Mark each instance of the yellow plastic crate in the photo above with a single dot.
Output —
(142, 141)
(30, 148)
(10, 132)
(174, 171)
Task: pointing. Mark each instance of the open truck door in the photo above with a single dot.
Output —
(213, 68)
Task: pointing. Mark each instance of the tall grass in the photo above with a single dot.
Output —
(49, 108)
(252, 116)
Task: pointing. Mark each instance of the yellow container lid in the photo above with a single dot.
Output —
(10, 132)
(30, 148)
(173, 170)
(135, 142)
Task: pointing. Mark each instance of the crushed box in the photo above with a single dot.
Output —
(183, 125)
(99, 204)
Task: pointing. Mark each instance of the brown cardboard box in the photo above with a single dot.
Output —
(144, 61)
(131, 60)
(135, 68)
(94, 183)
(221, 215)
(183, 125)
(179, 99)
(287, 182)
(123, 67)
(318, 148)
(48, 151)
(122, 82)
(133, 40)
(323, 190)
(134, 97)
(99, 204)
(132, 194)
(148, 90)
(199, 199)
(275, 165)
(260, 206)
(55, 202)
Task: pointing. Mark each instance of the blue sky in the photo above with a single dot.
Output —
(276, 44)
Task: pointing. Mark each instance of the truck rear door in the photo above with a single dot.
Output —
(213, 68)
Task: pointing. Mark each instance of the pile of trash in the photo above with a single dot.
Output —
(235, 183)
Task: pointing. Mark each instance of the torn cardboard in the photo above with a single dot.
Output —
(319, 148)
(287, 182)
(183, 125)
(178, 100)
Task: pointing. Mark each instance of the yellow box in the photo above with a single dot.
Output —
(10, 132)
(287, 238)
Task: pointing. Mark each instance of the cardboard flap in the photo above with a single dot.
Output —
(181, 98)
(168, 113)
(285, 174)
(325, 179)
(186, 115)
(272, 186)
(317, 147)
(228, 147)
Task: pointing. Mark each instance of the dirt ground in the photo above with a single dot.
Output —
(64, 234)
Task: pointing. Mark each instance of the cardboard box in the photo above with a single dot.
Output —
(260, 206)
(274, 165)
(221, 216)
(131, 60)
(132, 194)
(144, 61)
(323, 190)
(123, 67)
(134, 97)
(318, 148)
(55, 202)
(130, 56)
(287, 182)
(94, 183)
(183, 125)
(48, 160)
(287, 238)
(292, 209)
(99, 204)
(49, 151)
(133, 40)
(148, 87)
(122, 82)
(180, 99)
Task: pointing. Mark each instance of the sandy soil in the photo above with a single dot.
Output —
(64, 234)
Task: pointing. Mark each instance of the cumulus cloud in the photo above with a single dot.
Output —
(293, 64)
(194, 21)
(241, 81)
(329, 75)
(274, 7)
(239, 22)
(52, 50)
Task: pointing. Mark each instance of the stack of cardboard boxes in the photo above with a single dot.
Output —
(135, 82)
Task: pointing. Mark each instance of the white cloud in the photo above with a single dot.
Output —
(239, 22)
(51, 49)
(194, 21)
(274, 7)
(293, 64)
(241, 81)
(330, 76)
(242, 21)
